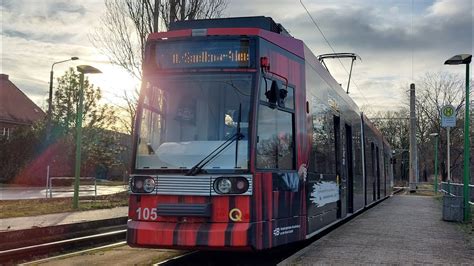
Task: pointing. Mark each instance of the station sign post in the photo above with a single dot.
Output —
(448, 120)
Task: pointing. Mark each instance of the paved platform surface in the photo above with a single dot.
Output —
(401, 230)
(20, 223)
(16, 193)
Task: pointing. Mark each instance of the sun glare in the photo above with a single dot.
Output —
(114, 82)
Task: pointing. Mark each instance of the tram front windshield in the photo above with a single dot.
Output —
(186, 117)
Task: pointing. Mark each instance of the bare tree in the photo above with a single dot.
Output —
(128, 110)
(394, 125)
(178, 10)
(126, 24)
(433, 91)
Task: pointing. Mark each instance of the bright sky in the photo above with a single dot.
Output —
(397, 40)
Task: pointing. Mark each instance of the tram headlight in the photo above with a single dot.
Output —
(142, 184)
(231, 185)
(149, 185)
(223, 186)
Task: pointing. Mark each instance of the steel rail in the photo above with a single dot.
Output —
(76, 253)
(29, 252)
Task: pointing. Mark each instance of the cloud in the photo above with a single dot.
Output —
(450, 8)
(397, 41)
(49, 21)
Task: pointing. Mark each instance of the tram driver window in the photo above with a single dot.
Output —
(275, 138)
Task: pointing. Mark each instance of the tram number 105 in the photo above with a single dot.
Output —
(147, 213)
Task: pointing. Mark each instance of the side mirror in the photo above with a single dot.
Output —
(272, 94)
(276, 94)
(281, 100)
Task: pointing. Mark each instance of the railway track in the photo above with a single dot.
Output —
(46, 247)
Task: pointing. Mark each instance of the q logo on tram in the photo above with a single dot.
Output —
(235, 215)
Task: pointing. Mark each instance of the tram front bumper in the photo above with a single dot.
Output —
(189, 235)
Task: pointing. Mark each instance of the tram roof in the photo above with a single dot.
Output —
(259, 22)
(261, 26)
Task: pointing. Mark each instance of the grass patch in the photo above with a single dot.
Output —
(32, 207)
(429, 193)
(439, 198)
(468, 230)
(424, 189)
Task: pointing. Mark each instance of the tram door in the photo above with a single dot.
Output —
(373, 161)
(378, 172)
(350, 170)
(338, 145)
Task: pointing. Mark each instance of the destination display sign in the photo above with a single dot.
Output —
(200, 54)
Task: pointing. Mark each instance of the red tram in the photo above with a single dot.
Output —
(245, 141)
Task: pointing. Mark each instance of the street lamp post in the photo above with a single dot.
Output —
(459, 60)
(83, 69)
(50, 98)
(436, 135)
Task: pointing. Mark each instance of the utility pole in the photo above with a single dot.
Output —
(412, 181)
(436, 164)
(449, 157)
(172, 15)
(156, 15)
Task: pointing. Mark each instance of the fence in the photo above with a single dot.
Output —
(50, 188)
(456, 189)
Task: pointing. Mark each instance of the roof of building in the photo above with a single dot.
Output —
(15, 106)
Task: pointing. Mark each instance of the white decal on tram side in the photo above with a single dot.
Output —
(324, 192)
(279, 231)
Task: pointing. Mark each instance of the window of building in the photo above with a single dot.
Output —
(5, 132)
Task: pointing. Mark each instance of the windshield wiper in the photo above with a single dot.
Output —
(197, 168)
(238, 132)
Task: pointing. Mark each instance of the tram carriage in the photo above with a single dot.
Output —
(244, 141)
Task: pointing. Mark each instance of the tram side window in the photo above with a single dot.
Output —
(323, 150)
(275, 138)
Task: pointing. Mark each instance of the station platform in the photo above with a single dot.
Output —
(404, 229)
(22, 223)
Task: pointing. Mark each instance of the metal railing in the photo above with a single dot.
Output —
(50, 188)
(456, 189)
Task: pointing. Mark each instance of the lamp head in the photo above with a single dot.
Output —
(459, 59)
(74, 58)
(434, 134)
(85, 69)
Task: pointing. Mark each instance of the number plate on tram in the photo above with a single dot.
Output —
(147, 214)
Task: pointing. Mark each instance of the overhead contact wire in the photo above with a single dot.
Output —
(334, 51)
